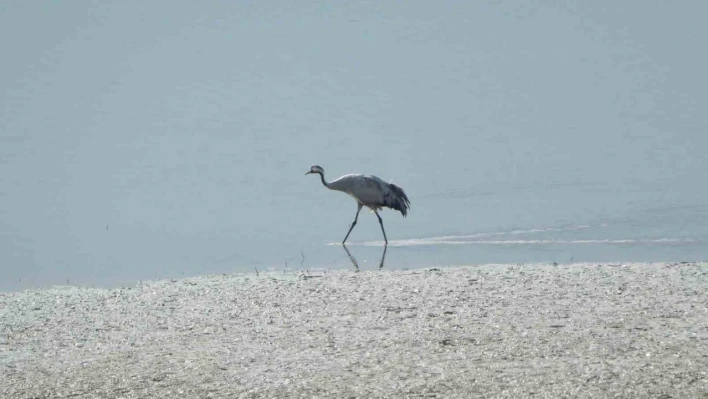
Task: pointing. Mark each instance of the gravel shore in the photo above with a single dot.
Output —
(580, 330)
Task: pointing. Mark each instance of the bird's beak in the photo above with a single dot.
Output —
(308, 173)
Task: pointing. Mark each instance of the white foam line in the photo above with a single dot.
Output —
(512, 232)
(565, 242)
(447, 239)
(437, 241)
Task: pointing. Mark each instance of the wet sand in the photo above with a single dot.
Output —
(581, 330)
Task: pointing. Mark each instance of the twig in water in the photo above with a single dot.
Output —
(256, 269)
(309, 276)
(303, 258)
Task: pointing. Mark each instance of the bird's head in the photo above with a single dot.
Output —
(315, 169)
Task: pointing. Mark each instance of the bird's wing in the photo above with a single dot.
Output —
(391, 196)
(373, 192)
(370, 190)
(365, 189)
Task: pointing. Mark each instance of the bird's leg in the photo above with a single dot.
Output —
(353, 223)
(382, 228)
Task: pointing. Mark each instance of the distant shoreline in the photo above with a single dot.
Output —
(580, 330)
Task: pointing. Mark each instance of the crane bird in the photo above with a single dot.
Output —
(369, 191)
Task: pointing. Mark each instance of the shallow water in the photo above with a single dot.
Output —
(179, 147)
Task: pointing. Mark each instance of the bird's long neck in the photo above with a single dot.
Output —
(323, 179)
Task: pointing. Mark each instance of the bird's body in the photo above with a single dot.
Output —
(372, 192)
(368, 191)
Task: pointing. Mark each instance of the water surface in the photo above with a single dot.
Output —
(137, 143)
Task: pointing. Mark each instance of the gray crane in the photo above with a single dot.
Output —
(369, 191)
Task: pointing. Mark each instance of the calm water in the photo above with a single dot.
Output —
(156, 141)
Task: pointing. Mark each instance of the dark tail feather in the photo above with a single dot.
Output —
(397, 199)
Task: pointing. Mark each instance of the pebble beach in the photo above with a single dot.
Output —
(527, 330)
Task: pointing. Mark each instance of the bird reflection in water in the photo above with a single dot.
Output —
(356, 264)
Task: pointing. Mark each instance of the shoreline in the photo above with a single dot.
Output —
(581, 330)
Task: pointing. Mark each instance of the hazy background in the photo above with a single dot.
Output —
(159, 139)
